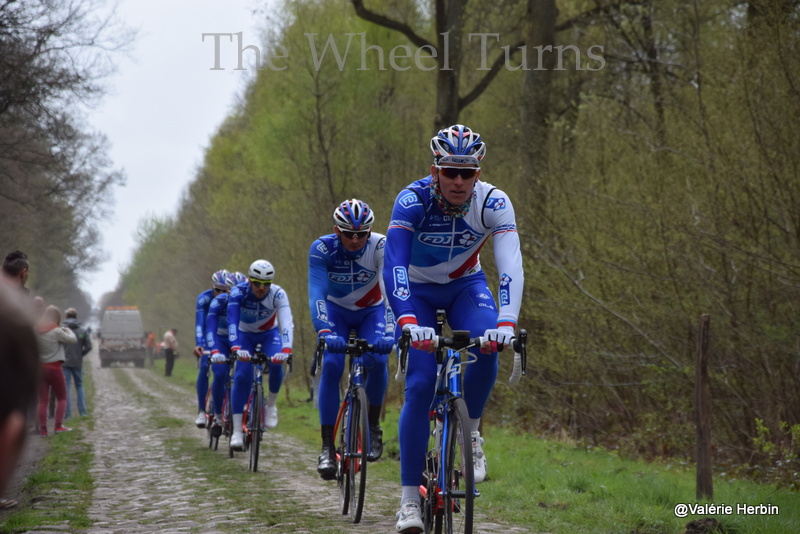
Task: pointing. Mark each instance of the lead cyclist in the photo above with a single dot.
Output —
(437, 228)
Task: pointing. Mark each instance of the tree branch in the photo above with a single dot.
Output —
(494, 70)
(592, 14)
(392, 24)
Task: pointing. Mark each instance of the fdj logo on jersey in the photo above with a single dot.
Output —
(495, 204)
(361, 277)
(464, 239)
(408, 200)
(322, 311)
(401, 290)
(505, 293)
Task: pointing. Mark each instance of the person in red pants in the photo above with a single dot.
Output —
(52, 338)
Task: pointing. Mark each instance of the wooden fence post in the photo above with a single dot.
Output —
(705, 484)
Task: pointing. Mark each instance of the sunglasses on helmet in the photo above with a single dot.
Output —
(466, 173)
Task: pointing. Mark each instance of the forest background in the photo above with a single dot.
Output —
(651, 154)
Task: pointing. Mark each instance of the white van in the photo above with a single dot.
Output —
(122, 336)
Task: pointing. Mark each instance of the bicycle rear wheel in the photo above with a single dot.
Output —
(209, 409)
(255, 426)
(359, 447)
(458, 486)
(227, 418)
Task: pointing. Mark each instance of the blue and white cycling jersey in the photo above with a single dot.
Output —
(424, 245)
(249, 315)
(217, 324)
(201, 310)
(335, 275)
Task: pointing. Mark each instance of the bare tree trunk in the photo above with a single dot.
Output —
(536, 92)
(449, 14)
(654, 70)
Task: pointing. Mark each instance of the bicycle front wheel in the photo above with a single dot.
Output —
(256, 428)
(342, 461)
(458, 483)
(358, 436)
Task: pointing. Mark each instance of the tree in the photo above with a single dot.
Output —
(55, 178)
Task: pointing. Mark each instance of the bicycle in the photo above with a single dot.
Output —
(351, 429)
(448, 490)
(254, 415)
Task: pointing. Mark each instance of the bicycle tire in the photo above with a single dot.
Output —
(209, 409)
(228, 417)
(255, 426)
(359, 448)
(342, 463)
(458, 492)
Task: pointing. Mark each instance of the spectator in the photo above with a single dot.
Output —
(73, 363)
(19, 362)
(170, 350)
(150, 344)
(52, 339)
(15, 270)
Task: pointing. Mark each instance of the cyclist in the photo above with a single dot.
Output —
(219, 347)
(345, 293)
(258, 313)
(437, 228)
(201, 310)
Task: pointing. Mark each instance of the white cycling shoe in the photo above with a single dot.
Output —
(409, 519)
(201, 420)
(237, 440)
(272, 416)
(478, 458)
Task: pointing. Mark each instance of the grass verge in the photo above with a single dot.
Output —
(60, 491)
(553, 487)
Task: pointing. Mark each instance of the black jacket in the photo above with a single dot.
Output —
(76, 351)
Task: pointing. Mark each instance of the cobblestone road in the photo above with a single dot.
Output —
(142, 487)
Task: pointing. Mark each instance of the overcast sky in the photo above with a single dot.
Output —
(164, 105)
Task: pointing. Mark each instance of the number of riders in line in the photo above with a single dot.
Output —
(377, 286)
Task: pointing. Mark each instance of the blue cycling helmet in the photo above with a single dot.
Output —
(457, 144)
(354, 216)
(218, 279)
(234, 279)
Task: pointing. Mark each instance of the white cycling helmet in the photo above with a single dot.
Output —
(261, 270)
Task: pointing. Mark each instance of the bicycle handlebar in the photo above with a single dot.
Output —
(357, 347)
(259, 357)
(461, 340)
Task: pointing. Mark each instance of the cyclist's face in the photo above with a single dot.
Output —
(259, 289)
(458, 189)
(352, 241)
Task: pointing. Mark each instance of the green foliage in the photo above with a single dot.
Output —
(669, 190)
